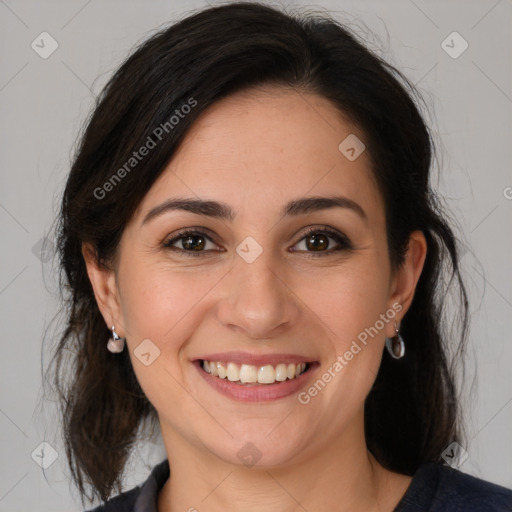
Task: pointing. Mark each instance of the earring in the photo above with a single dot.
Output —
(115, 343)
(396, 345)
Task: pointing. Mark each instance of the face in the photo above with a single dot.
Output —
(267, 287)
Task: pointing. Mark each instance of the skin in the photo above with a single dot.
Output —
(256, 151)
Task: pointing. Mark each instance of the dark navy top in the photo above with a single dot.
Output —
(434, 488)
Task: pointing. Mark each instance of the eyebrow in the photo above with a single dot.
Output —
(223, 211)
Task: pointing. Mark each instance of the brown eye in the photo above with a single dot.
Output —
(322, 242)
(193, 242)
(317, 242)
(190, 243)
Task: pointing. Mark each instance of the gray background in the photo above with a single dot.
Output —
(44, 102)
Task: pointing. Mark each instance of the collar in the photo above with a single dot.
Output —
(146, 500)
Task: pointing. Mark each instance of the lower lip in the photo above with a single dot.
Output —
(258, 392)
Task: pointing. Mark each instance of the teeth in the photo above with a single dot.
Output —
(248, 373)
(233, 372)
(221, 371)
(281, 372)
(266, 374)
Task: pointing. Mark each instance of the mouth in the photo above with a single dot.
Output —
(252, 375)
(260, 381)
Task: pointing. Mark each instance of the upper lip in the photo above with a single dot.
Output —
(255, 359)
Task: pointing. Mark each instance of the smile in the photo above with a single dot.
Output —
(268, 378)
(251, 374)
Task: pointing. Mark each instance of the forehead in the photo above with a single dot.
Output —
(260, 147)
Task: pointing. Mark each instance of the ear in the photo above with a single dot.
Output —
(103, 282)
(405, 279)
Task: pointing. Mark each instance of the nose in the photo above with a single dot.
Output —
(259, 301)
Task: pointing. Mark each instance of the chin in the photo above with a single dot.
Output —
(264, 449)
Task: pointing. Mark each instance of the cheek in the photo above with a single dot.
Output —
(157, 299)
(353, 303)
(349, 300)
(166, 307)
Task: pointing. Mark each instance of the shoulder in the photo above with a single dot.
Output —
(439, 488)
(142, 497)
(471, 493)
(124, 502)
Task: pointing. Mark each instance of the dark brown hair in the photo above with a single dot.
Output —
(411, 413)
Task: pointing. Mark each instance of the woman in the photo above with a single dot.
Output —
(249, 220)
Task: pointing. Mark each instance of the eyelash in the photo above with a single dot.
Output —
(342, 240)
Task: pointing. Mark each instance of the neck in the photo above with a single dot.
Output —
(342, 476)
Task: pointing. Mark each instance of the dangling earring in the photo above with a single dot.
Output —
(396, 345)
(115, 343)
